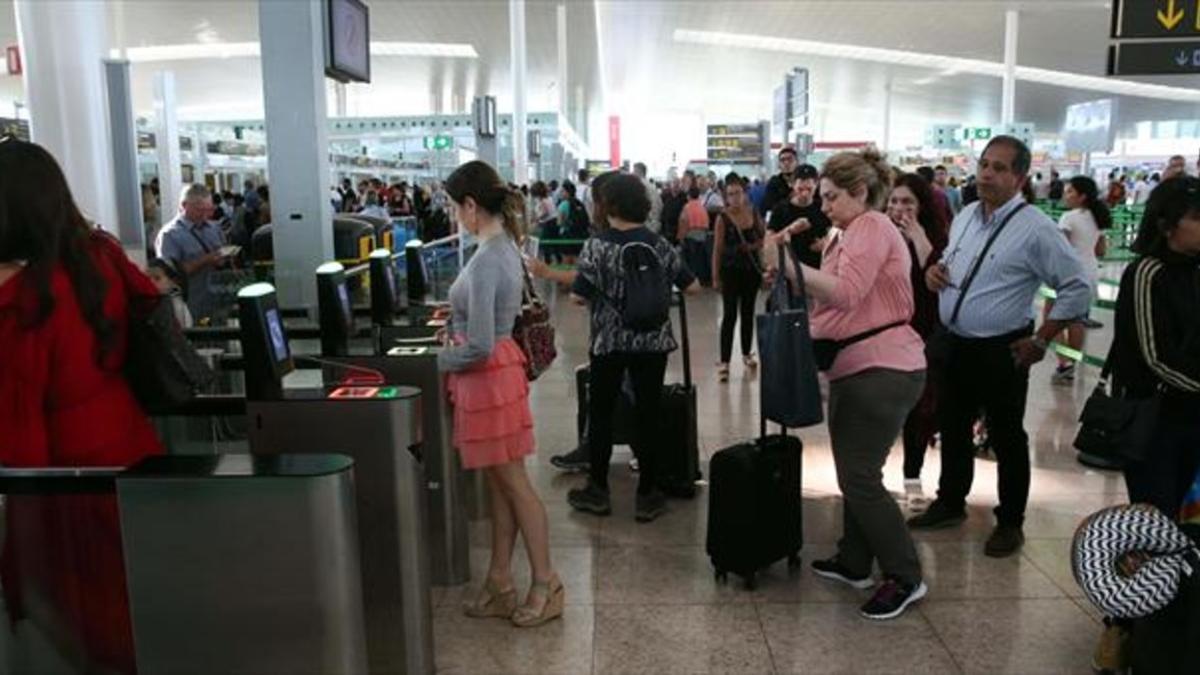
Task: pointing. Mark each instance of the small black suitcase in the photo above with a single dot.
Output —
(1168, 641)
(754, 506)
(679, 443)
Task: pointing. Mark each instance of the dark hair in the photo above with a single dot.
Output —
(788, 151)
(553, 185)
(1022, 160)
(1170, 203)
(583, 175)
(926, 173)
(940, 167)
(569, 188)
(264, 193)
(1090, 192)
(539, 190)
(41, 225)
(600, 199)
(732, 178)
(931, 218)
(625, 198)
(479, 181)
(693, 192)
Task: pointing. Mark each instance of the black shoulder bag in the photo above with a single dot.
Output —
(937, 346)
(161, 367)
(1114, 430)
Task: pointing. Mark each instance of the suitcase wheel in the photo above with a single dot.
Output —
(721, 576)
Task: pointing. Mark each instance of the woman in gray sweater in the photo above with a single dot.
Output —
(493, 426)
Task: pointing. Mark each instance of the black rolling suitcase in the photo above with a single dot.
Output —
(679, 452)
(679, 449)
(754, 506)
(1168, 641)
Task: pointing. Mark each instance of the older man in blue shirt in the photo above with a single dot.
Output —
(986, 295)
(195, 246)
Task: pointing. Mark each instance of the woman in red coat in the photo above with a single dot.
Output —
(65, 293)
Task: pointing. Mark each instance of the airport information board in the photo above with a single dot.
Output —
(736, 143)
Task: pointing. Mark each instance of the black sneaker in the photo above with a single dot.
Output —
(576, 460)
(937, 517)
(591, 498)
(1005, 541)
(650, 506)
(892, 598)
(833, 569)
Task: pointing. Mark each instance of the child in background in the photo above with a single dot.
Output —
(171, 283)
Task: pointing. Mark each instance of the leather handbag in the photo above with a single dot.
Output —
(1117, 429)
(161, 366)
(533, 331)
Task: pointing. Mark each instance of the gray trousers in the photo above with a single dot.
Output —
(866, 413)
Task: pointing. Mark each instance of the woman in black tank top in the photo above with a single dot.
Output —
(737, 271)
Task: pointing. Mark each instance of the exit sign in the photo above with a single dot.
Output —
(439, 142)
(976, 133)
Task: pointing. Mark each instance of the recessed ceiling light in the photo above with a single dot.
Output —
(226, 50)
(936, 61)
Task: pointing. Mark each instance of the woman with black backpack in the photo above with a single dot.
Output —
(624, 276)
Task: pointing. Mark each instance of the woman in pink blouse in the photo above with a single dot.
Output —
(863, 294)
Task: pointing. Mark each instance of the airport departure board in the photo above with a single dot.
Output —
(736, 143)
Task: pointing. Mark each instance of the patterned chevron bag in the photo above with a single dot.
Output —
(1131, 560)
(533, 330)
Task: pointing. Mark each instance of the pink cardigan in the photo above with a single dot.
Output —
(874, 289)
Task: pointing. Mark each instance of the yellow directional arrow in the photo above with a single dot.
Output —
(1172, 17)
(1198, 15)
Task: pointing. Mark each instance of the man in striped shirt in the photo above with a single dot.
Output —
(986, 304)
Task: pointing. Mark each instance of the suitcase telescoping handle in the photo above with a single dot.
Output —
(762, 428)
(686, 345)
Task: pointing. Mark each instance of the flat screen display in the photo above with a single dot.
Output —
(279, 345)
(348, 43)
(1090, 127)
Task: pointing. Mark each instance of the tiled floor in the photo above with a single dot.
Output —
(642, 598)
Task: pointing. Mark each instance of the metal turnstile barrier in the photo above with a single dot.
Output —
(232, 564)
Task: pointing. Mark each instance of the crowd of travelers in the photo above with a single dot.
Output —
(927, 287)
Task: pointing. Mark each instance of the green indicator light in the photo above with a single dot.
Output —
(387, 392)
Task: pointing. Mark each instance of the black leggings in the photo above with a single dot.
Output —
(607, 372)
(739, 291)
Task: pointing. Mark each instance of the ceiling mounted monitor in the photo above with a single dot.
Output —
(348, 41)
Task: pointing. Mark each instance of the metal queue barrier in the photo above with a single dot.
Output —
(232, 564)
(378, 424)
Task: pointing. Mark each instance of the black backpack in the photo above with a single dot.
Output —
(578, 224)
(647, 298)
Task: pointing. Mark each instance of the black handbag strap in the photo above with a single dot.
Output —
(853, 339)
(966, 285)
(192, 231)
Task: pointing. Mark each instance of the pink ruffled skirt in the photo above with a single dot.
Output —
(492, 421)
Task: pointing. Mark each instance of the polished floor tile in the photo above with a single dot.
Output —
(642, 597)
(682, 639)
(833, 638)
(1028, 637)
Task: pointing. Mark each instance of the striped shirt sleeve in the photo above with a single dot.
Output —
(1170, 362)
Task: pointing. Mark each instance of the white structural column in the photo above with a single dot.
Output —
(516, 32)
(166, 144)
(63, 45)
(563, 86)
(1009, 98)
(293, 63)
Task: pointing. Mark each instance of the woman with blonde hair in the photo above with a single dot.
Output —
(493, 425)
(863, 302)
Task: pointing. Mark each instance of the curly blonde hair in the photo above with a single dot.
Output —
(853, 170)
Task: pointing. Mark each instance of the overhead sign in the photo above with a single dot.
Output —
(1154, 58)
(12, 56)
(976, 133)
(736, 143)
(1090, 127)
(439, 142)
(944, 136)
(1155, 19)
